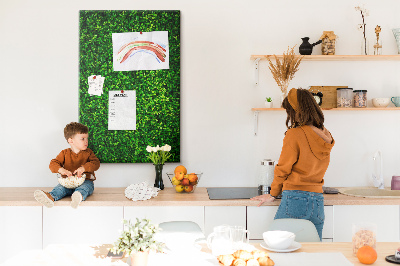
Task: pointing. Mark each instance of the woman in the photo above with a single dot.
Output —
(299, 174)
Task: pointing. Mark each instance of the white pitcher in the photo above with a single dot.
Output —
(220, 241)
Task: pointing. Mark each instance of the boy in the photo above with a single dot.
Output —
(76, 160)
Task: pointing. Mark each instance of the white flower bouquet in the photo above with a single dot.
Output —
(137, 237)
(159, 155)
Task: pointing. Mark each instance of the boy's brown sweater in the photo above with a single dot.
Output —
(303, 161)
(71, 161)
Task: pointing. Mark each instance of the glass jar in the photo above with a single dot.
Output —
(266, 176)
(364, 234)
(360, 98)
(344, 97)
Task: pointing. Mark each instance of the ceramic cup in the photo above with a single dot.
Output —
(395, 183)
(396, 101)
(380, 102)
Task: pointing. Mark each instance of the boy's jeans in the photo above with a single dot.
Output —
(306, 205)
(86, 189)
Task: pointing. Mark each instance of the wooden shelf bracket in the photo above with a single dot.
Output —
(256, 69)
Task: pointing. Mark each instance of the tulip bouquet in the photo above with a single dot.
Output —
(159, 155)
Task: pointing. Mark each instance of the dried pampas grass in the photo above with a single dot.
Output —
(283, 71)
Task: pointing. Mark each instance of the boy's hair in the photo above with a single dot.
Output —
(74, 128)
(309, 113)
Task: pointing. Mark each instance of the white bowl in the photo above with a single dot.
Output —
(72, 181)
(380, 102)
(279, 240)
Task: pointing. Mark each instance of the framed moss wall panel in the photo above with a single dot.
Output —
(157, 91)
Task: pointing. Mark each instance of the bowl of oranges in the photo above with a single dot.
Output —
(182, 181)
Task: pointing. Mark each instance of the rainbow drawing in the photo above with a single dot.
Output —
(129, 49)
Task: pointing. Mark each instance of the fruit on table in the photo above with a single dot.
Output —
(175, 181)
(179, 188)
(185, 182)
(367, 255)
(180, 171)
(189, 188)
(192, 178)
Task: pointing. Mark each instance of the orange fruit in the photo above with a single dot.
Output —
(180, 169)
(367, 255)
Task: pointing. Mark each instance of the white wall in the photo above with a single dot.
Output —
(39, 87)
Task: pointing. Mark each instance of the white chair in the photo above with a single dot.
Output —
(304, 230)
(178, 234)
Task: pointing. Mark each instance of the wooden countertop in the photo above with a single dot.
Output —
(23, 196)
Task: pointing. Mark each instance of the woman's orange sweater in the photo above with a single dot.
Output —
(303, 161)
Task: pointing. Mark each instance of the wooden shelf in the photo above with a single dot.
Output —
(332, 109)
(336, 57)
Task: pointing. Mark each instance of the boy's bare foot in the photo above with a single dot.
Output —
(44, 198)
(76, 199)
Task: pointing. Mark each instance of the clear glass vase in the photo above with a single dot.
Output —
(364, 46)
(159, 181)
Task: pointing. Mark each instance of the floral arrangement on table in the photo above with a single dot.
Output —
(137, 237)
(159, 155)
(364, 13)
(283, 71)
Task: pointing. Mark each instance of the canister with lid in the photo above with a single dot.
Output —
(360, 98)
(344, 97)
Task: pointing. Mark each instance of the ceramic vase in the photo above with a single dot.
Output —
(139, 258)
(159, 181)
(268, 104)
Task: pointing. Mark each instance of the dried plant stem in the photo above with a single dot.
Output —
(283, 71)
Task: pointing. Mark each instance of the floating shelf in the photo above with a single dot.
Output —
(257, 110)
(332, 109)
(336, 57)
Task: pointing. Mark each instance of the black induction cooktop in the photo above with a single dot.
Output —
(225, 193)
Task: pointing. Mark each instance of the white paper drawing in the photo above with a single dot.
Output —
(96, 83)
(122, 110)
(140, 51)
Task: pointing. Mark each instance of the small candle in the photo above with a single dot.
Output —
(397, 254)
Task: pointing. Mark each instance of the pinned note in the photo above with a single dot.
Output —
(96, 83)
(122, 110)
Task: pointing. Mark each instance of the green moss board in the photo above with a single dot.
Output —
(157, 91)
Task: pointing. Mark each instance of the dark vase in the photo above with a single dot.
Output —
(159, 181)
(306, 48)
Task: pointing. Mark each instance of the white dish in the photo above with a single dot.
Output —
(293, 247)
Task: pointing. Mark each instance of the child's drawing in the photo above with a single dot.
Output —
(140, 51)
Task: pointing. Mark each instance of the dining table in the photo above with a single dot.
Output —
(87, 255)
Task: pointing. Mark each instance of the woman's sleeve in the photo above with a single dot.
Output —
(288, 157)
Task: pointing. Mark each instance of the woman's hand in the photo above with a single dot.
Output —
(263, 198)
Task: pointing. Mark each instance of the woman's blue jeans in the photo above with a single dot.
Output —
(86, 189)
(306, 205)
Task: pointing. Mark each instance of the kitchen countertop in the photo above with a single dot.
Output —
(23, 196)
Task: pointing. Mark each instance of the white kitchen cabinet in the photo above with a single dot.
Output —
(85, 225)
(159, 214)
(386, 217)
(259, 219)
(20, 229)
(218, 215)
